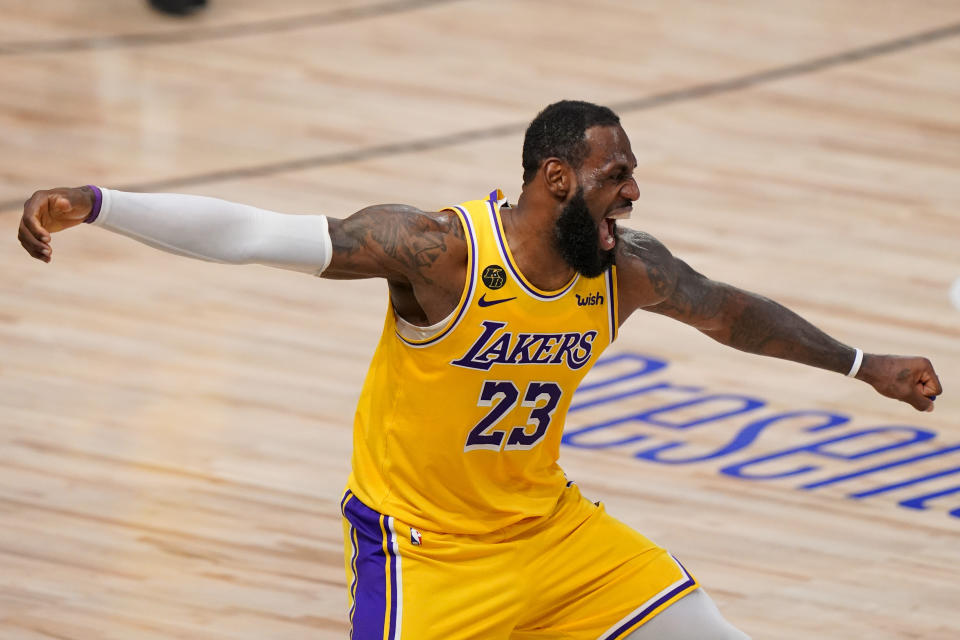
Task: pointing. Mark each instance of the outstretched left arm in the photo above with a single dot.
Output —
(651, 278)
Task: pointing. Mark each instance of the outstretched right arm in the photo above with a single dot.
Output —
(193, 226)
(396, 242)
(422, 255)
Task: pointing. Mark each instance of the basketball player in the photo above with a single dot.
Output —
(458, 522)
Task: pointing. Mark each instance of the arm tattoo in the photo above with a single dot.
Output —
(680, 292)
(395, 241)
(737, 318)
(692, 296)
(760, 325)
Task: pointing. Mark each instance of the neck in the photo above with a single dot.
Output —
(529, 228)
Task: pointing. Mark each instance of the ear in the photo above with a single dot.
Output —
(559, 178)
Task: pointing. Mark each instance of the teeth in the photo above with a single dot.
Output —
(607, 240)
(621, 216)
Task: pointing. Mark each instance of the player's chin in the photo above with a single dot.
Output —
(608, 257)
(594, 268)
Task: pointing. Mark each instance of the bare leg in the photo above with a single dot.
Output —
(693, 617)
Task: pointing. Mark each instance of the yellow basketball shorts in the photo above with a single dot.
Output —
(576, 574)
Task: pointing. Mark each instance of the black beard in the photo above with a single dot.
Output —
(578, 240)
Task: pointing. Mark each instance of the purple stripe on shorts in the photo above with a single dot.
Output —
(97, 202)
(352, 533)
(686, 584)
(392, 635)
(370, 601)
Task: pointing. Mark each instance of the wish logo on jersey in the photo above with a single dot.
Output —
(496, 346)
(591, 300)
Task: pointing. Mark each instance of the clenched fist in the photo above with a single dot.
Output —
(908, 379)
(50, 211)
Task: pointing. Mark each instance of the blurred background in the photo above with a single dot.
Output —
(175, 435)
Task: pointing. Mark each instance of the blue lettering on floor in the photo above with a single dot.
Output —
(626, 403)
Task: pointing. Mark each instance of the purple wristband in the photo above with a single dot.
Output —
(97, 201)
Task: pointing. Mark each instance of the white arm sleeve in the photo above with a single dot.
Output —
(218, 231)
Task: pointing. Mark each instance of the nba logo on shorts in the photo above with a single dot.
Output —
(414, 537)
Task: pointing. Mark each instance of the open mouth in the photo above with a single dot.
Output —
(608, 234)
(608, 226)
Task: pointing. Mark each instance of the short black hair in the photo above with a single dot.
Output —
(559, 131)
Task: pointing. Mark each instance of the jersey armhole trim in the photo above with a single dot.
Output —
(466, 298)
(611, 277)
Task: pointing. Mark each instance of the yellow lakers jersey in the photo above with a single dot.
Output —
(459, 431)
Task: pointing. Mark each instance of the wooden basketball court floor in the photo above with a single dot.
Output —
(175, 435)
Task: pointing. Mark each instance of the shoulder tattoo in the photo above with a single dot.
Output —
(404, 239)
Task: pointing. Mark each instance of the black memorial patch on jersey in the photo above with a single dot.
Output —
(494, 276)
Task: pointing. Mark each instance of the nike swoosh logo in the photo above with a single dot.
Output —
(483, 302)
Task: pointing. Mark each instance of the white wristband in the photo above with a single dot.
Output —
(857, 361)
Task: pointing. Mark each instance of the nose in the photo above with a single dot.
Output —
(631, 190)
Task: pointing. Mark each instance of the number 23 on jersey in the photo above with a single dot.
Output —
(502, 396)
